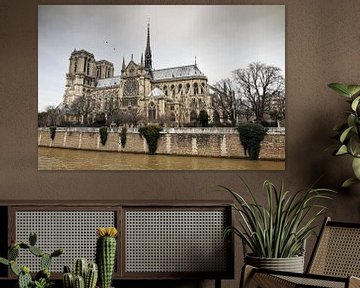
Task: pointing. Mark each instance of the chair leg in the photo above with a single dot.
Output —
(251, 279)
(246, 274)
(354, 282)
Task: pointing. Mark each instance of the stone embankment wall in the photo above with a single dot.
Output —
(211, 142)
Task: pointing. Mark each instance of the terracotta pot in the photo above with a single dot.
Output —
(291, 264)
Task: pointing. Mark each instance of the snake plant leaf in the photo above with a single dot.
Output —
(355, 103)
(278, 228)
(349, 182)
(356, 167)
(340, 88)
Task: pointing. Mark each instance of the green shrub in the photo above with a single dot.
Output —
(103, 135)
(52, 132)
(251, 135)
(151, 133)
(123, 137)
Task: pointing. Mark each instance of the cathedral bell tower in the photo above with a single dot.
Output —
(148, 65)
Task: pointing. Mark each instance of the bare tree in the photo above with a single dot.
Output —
(81, 107)
(52, 116)
(119, 117)
(42, 119)
(256, 85)
(133, 116)
(111, 106)
(225, 102)
(277, 107)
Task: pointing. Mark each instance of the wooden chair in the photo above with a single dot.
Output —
(334, 263)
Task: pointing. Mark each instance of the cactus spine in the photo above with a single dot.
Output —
(106, 254)
(80, 267)
(84, 275)
(91, 276)
(79, 282)
(68, 280)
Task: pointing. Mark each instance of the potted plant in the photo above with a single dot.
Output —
(276, 233)
(349, 132)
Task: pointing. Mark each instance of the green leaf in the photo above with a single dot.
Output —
(356, 167)
(4, 261)
(349, 182)
(340, 88)
(345, 134)
(351, 120)
(342, 150)
(355, 103)
(353, 89)
(14, 268)
(356, 150)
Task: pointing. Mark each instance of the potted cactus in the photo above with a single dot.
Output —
(84, 275)
(42, 278)
(106, 254)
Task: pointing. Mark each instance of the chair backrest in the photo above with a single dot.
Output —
(337, 251)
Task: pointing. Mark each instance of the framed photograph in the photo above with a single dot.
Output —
(161, 87)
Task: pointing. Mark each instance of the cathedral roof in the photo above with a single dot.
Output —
(177, 72)
(107, 82)
(156, 92)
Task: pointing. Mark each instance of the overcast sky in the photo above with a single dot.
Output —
(223, 38)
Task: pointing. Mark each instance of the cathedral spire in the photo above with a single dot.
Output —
(148, 61)
(123, 65)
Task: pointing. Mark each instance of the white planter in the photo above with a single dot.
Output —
(291, 264)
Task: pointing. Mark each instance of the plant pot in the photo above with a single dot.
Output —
(291, 264)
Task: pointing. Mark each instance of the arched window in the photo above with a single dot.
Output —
(85, 64)
(165, 90)
(88, 68)
(152, 112)
(172, 117)
(187, 88)
(196, 88)
(75, 65)
(172, 90)
(179, 89)
(202, 88)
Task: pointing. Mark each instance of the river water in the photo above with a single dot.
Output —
(68, 159)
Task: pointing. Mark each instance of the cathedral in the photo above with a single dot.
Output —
(177, 94)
